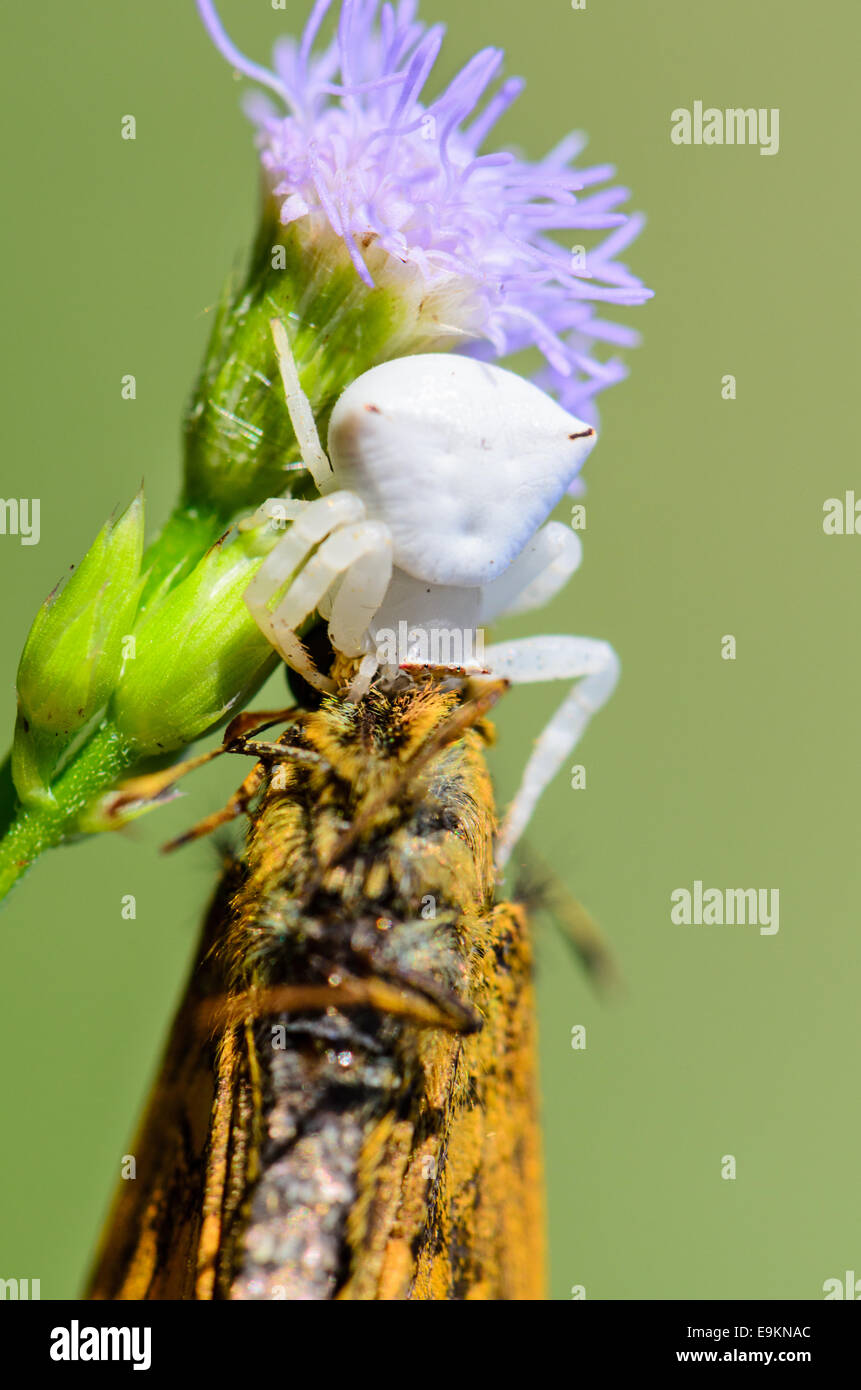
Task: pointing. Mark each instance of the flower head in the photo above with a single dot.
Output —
(353, 147)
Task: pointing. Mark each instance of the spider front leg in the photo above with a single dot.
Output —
(362, 554)
(536, 576)
(550, 659)
(314, 523)
(299, 409)
(350, 549)
(368, 551)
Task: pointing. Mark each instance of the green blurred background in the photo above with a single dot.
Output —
(704, 518)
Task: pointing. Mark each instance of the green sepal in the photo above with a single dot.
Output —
(73, 656)
(198, 652)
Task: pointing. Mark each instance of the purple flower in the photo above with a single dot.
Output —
(359, 152)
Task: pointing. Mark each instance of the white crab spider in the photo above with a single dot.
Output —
(440, 474)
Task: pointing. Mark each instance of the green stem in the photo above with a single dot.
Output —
(31, 830)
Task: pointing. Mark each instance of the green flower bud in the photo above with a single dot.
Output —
(74, 654)
(198, 652)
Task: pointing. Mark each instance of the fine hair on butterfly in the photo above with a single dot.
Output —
(347, 1104)
(440, 475)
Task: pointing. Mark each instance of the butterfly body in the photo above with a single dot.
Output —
(380, 1142)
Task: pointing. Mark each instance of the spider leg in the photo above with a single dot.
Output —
(299, 409)
(278, 510)
(361, 683)
(365, 547)
(541, 569)
(363, 588)
(312, 526)
(545, 659)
